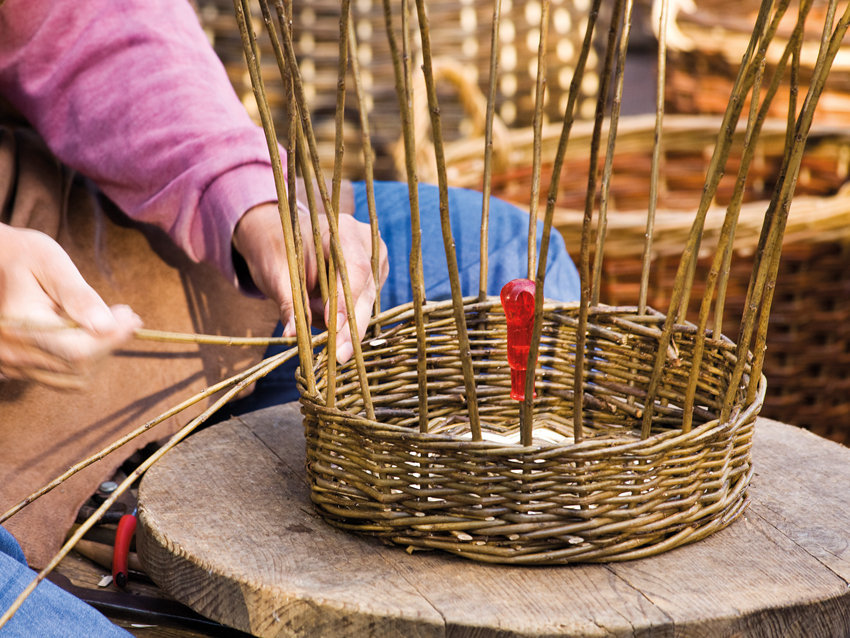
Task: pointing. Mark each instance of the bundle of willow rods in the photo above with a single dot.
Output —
(416, 439)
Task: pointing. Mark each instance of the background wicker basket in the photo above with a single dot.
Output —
(460, 30)
(707, 42)
(612, 496)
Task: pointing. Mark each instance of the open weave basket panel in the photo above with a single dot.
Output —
(611, 496)
(460, 31)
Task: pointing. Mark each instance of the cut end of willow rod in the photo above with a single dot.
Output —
(518, 302)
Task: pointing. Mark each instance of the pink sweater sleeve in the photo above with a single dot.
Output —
(130, 94)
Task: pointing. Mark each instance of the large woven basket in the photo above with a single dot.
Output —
(612, 496)
(460, 30)
(705, 46)
(808, 356)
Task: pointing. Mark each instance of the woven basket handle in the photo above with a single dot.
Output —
(474, 105)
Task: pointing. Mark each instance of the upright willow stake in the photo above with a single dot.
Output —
(368, 169)
(590, 196)
(746, 76)
(537, 127)
(602, 225)
(780, 204)
(484, 252)
(339, 150)
(657, 151)
(722, 256)
(249, 46)
(448, 239)
(551, 199)
(526, 416)
(336, 249)
(404, 93)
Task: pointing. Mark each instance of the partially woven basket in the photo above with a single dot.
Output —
(612, 496)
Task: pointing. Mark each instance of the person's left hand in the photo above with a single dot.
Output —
(259, 239)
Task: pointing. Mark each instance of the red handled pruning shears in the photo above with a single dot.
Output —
(123, 536)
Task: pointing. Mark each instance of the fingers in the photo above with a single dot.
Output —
(259, 239)
(54, 327)
(356, 245)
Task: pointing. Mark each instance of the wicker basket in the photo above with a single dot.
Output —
(460, 30)
(708, 40)
(611, 496)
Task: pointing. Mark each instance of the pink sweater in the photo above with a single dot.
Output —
(130, 94)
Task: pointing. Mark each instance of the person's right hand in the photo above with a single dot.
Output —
(53, 326)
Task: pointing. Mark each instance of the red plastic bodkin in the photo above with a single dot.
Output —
(518, 302)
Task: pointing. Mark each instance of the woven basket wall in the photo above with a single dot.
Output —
(612, 496)
(459, 30)
(808, 355)
(708, 40)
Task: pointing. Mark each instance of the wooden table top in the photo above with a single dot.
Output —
(227, 527)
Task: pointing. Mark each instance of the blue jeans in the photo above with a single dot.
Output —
(48, 612)
(507, 250)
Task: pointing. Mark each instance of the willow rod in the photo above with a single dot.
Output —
(758, 279)
(746, 76)
(715, 172)
(602, 225)
(128, 482)
(292, 186)
(147, 334)
(537, 143)
(772, 89)
(551, 200)
(312, 205)
(526, 415)
(723, 252)
(722, 257)
(404, 94)
(448, 239)
(486, 189)
(336, 249)
(339, 151)
(368, 170)
(761, 333)
(249, 46)
(277, 359)
(585, 296)
(780, 204)
(657, 148)
(296, 139)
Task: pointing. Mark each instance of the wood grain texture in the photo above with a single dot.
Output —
(227, 527)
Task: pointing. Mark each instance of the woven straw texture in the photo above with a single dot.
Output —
(460, 31)
(611, 496)
(705, 48)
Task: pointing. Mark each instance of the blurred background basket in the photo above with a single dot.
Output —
(708, 39)
(459, 29)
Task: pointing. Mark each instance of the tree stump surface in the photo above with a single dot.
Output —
(226, 526)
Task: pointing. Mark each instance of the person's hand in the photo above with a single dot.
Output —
(53, 326)
(259, 239)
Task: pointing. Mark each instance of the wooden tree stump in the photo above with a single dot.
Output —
(227, 527)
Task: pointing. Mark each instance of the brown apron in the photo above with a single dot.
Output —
(45, 431)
